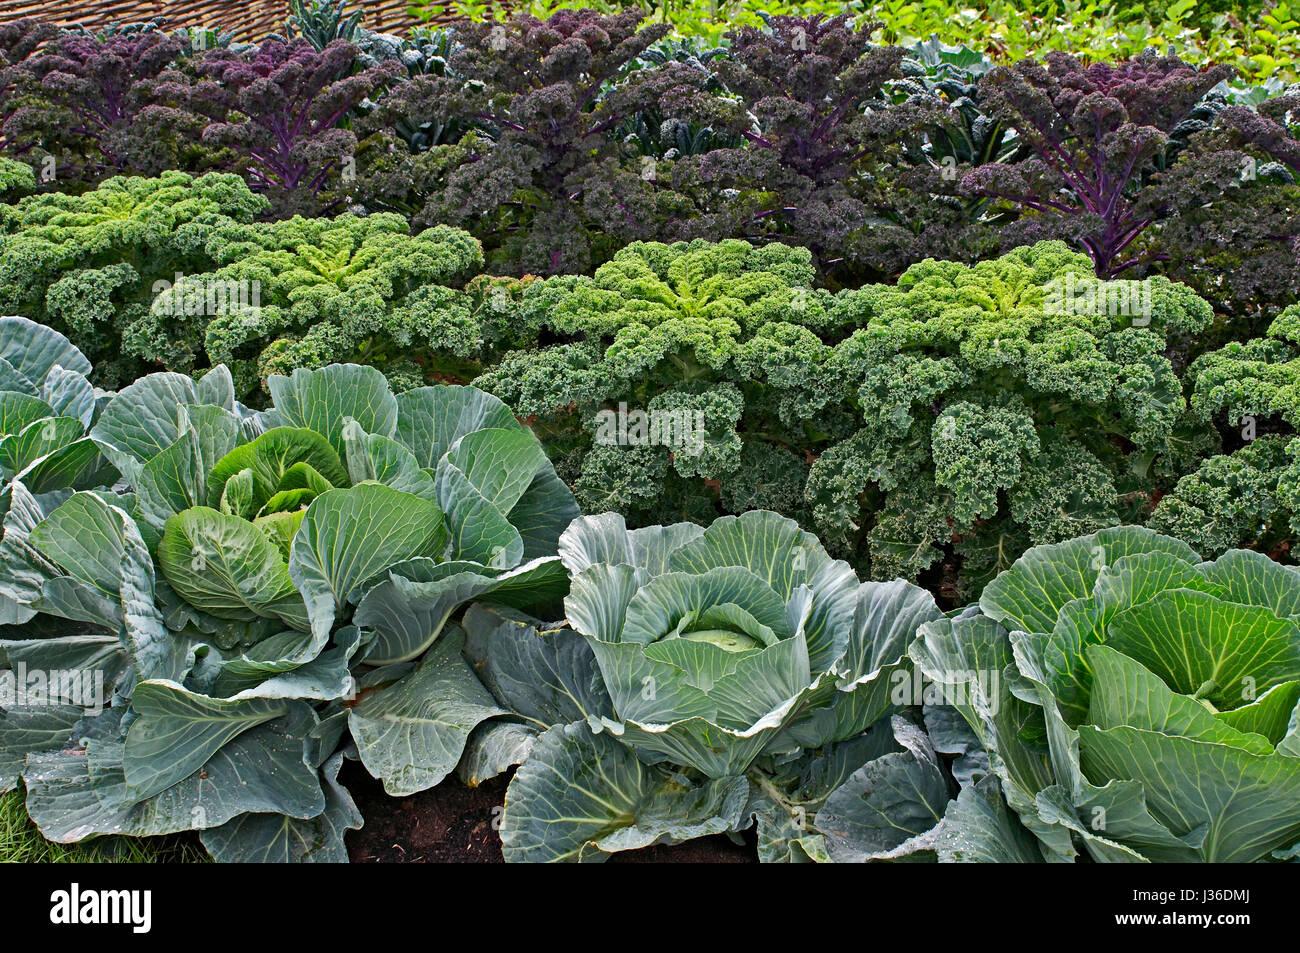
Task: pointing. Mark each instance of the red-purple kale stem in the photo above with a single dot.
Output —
(277, 89)
(1079, 120)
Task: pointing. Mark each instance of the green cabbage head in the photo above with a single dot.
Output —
(1151, 709)
(706, 681)
(718, 644)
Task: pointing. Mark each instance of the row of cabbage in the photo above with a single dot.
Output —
(208, 609)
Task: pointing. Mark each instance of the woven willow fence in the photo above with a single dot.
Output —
(249, 19)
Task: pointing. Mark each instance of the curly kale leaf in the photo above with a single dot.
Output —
(16, 180)
(91, 265)
(620, 479)
(1242, 499)
(337, 290)
(911, 530)
(1023, 389)
(768, 477)
(1066, 492)
(845, 482)
(979, 451)
(551, 381)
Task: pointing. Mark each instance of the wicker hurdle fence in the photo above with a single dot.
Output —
(250, 20)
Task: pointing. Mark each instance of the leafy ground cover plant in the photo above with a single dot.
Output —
(334, 290)
(1152, 714)
(271, 593)
(708, 679)
(91, 265)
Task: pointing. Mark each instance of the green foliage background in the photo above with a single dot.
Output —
(1261, 39)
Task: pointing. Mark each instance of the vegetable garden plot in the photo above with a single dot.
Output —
(805, 448)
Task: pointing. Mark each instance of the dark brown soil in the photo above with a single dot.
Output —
(449, 824)
(454, 824)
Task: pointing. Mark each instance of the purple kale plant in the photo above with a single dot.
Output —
(819, 136)
(1099, 136)
(88, 107)
(284, 109)
(534, 167)
(19, 40)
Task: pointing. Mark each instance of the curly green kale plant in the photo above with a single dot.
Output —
(1251, 497)
(1013, 402)
(1146, 709)
(262, 595)
(91, 265)
(331, 290)
(683, 377)
(922, 211)
(707, 680)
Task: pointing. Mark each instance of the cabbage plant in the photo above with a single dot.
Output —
(1148, 710)
(705, 678)
(47, 405)
(263, 594)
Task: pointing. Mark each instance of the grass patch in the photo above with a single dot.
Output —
(22, 843)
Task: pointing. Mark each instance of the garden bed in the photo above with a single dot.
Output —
(556, 438)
